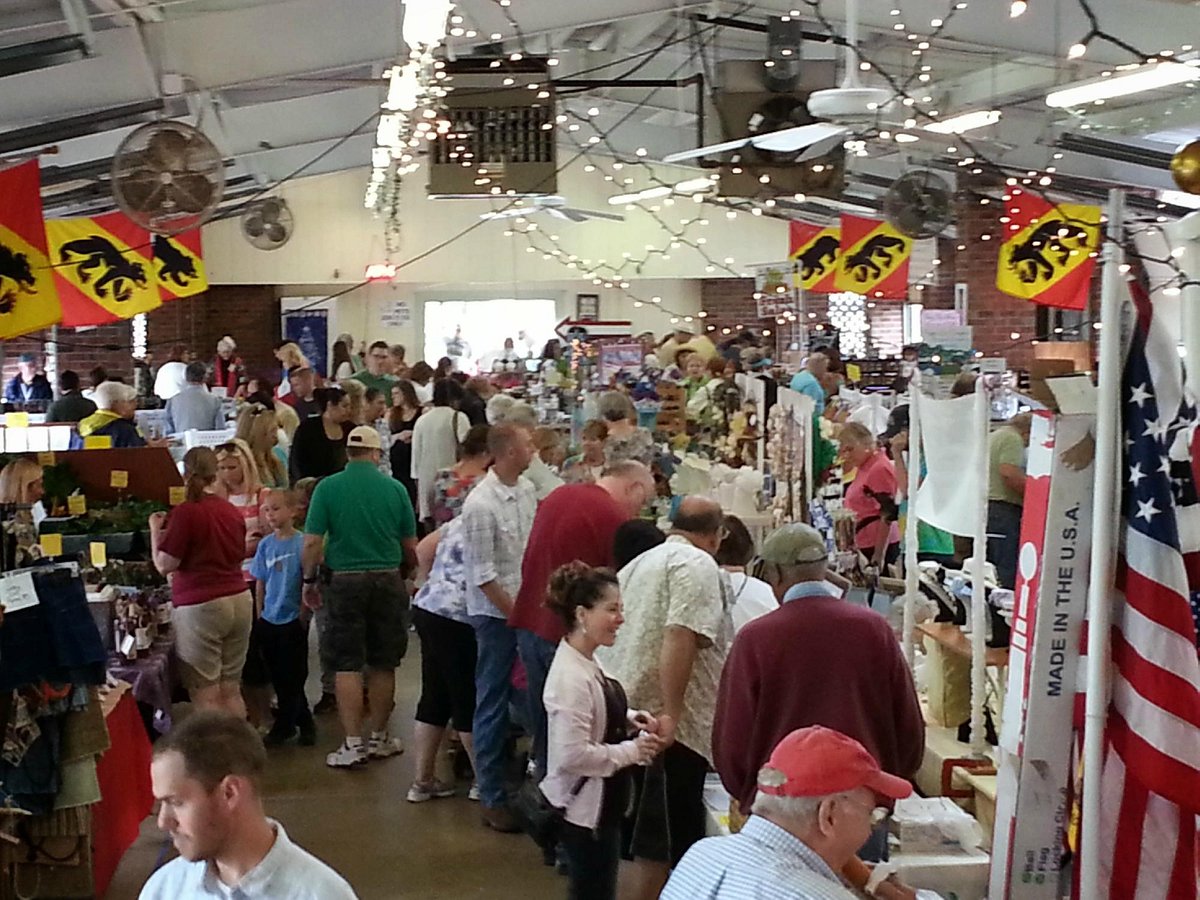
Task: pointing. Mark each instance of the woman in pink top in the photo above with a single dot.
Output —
(200, 548)
(872, 494)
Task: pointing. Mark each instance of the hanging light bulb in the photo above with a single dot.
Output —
(1016, 8)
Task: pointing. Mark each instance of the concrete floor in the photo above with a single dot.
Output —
(360, 823)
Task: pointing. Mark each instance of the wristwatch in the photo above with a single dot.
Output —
(306, 580)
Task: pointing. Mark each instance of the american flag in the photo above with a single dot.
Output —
(1150, 785)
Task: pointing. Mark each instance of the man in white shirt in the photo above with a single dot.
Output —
(172, 375)
(668, 656)
(816, 805)
(497, 518)
(206, 775)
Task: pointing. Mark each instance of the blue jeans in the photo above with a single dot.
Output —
(537, 654)
(497, 651)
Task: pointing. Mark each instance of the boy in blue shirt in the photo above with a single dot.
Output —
(283, 637)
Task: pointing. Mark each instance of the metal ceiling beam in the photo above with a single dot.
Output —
(78, 126)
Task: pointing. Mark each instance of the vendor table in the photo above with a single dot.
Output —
(962, 874)
(124, 775)
(152, 678)
(952, 638)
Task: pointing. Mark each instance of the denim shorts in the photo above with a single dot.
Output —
(366, 620)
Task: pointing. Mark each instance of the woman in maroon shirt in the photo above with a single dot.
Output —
(200, 548)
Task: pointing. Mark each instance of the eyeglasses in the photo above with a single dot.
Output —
(876, 813)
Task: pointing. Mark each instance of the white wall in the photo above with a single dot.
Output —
(358, 312)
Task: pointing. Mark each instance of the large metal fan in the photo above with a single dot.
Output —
(554, 206)
(919, 204)
(167, 177)
(268, 223)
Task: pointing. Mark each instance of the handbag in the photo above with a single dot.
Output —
(540, 818)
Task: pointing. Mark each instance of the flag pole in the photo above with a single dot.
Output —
(979, 617)
(911, 537)
(1103, 561)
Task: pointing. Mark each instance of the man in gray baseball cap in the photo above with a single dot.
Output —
(817, 660)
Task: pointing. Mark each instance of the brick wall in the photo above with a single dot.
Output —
(249, 313)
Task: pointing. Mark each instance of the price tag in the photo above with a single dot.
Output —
(99, 554)
(52, 544)
(77, 505)
(178, 494)
(46, 458)
(16, 420)
(17, 592)
(97, 442)
(853, 372)
(119, 478)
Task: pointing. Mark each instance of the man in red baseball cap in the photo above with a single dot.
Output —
(815, 806)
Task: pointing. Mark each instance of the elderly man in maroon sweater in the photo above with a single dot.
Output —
(574, 522)
(817, 660)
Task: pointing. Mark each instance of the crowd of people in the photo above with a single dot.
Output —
(391, 496)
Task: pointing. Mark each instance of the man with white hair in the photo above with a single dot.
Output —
(113, 419)
(816, 805)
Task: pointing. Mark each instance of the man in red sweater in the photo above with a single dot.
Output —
(574, 522)
(817, 660)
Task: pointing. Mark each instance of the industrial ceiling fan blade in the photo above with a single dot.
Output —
(706, 151)
(596, 214)
(801, 137)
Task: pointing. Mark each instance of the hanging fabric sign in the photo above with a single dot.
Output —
(179, 265)
(102, 268)
(1048, 257)
(28, 300)
(815, 251)
(874, 259)
(310, 330)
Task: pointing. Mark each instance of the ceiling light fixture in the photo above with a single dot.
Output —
(1016, 8)
(1143, 78)
(980, 118)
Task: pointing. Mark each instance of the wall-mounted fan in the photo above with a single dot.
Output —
(553, 206)
(919, 204)
(167, 177)
(267, 223)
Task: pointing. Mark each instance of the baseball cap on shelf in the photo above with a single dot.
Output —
(364, 436)
(794, 545)
(27, 358)
(817, 762)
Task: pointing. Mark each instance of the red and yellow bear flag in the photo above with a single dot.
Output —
(815, 250)
(874, 259)
(103, 269)
(28, 300)
(179, 265)
(1047, 256)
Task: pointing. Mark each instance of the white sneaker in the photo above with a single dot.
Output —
(346, 757)
(473, 793)
(434, 790)
(382, 745)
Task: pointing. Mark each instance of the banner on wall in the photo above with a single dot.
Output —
(309, 329)
(28, 299)
(815, 251)
(874, 260)
(179, 265)
(103, 269)
(1050, 256)
(773, 293)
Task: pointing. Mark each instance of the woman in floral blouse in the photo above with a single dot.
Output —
(451, 486)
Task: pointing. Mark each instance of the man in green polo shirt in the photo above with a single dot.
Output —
(361, 523)
(375, 375)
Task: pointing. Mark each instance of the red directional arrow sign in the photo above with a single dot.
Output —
(577, 329)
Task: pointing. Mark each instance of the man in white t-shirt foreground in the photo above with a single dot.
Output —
(206, 775)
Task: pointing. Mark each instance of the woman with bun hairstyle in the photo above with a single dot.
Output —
(593, 737)
(200, 549)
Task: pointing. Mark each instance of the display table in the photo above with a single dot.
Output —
(152, 677)
(124, 775)
(962, 874)
(951, 636)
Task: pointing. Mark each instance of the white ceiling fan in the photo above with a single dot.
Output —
(850, 104)
(552, 206)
